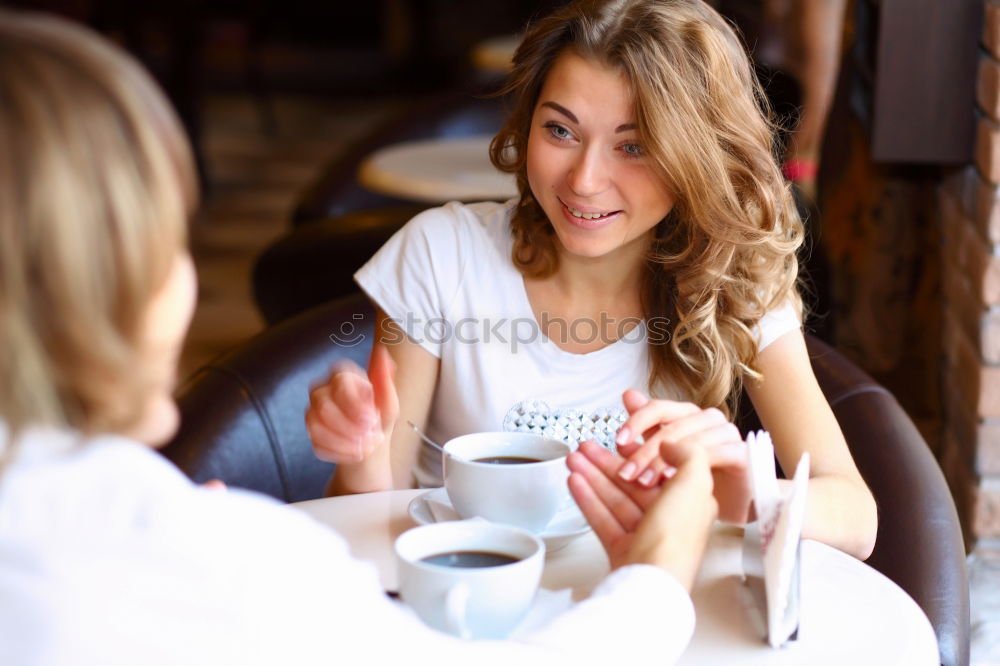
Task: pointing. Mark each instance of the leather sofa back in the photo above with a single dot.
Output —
(242, 415)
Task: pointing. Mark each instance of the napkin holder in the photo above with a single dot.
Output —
(772, 552)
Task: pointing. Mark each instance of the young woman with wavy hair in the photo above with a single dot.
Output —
(650, 198)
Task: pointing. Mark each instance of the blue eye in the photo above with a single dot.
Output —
(632, 150)
(558, 131)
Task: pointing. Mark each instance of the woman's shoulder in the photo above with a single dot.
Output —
(777, 321)
(108, 484)
(82, 485)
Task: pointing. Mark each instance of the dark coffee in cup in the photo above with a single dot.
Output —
(506, 460)
(470, 559)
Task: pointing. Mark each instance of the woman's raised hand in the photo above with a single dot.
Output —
(667, 423)
(351, 415)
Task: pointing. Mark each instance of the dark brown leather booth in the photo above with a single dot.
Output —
(242, 422)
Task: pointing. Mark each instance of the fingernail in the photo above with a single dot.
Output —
(628, 471)
(624, 435)
(647, 477)
(668, 472)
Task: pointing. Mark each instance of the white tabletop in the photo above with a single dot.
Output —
(851, 614)
(437, 171)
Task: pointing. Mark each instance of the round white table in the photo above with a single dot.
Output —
(437, 171)
(851, 614)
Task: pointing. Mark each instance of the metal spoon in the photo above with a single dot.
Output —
(425, 437)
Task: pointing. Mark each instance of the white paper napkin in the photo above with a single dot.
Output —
(771, 546)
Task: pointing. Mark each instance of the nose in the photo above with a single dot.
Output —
(588, 175)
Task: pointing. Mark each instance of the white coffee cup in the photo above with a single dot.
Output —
(526, 494)
(481, 602)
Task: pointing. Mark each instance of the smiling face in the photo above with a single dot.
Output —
(585, 165)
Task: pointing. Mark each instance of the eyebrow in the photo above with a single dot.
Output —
(569, 114)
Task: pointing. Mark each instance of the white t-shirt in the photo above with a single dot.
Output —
(110, 556)
(447, 278)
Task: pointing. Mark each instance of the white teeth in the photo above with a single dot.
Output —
(586, 216)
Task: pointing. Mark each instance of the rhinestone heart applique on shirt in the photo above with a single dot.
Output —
(568, 425)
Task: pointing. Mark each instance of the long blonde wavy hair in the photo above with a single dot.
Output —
(96, 184)
(726, 254)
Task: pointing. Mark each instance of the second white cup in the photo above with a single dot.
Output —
(470, 578)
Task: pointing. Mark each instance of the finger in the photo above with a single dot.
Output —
(609, 465)
(214, 484)
(653, 474)
(721, 448)
(626, 450)
(634, 400)
(339, 415)
(382, 376)
(345, 365)
(687, 426)
(601, 457)
(652, 414)
(625, 510)
(330, 446)
(605, 525)
(637, 464)
(346, 396)
(706, 428)
(729, 454)
(337, 419)
(326, 446)
(684, 457)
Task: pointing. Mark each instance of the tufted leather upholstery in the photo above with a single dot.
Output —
(242, 415)
(242, 422)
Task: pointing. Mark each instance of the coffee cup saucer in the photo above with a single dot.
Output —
(435, 507)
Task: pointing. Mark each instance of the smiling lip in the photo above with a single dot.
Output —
(584, 223)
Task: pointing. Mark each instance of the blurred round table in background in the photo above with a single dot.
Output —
(436, 171)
